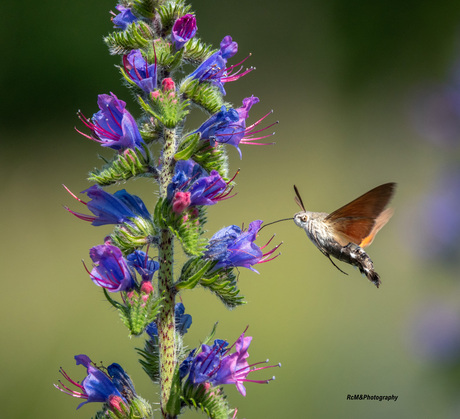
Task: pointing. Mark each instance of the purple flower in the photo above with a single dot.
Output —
(434, 332)
(121, 207)
(96, 387)
(232, 247)
(214, 69)
(214, 365)
(110, 269)
(144, 265)
(436, 240)
(113, 126)
(140, 71)
(183, 322)
(124, 18)
(228, 126)
(183, 30)
(191, 185)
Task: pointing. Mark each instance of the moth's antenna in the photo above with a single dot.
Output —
(274, 222)
(298, 199)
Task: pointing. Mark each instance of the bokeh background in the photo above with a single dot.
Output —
(365, 92)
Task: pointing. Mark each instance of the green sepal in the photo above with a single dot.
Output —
(211, 401)
(166, 107)
(203, 94)
(223, 283)
(212, 158)
(131, 163)
(192, 272)
(145, 8)
(196, 51)
(170, 11)
(188, 146)
(138, 409)
(137, 35)
(139, 310)
(129, 237)
(187, 226)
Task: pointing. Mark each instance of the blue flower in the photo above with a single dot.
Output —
(124, 18)
(232, 247)
(214, 365)
(183, 30)
(191, 185)
(121, 207)
(113, 126)
(110, 269)
(183, 322)
(140, 71)
(144, 265)
(214, 69)
(122, 381)
(228, 126)
(96, 387)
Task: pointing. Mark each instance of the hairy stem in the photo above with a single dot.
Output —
(166, 326)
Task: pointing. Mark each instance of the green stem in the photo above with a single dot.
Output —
(166, 319)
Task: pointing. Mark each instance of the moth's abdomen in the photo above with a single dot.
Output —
(356, 256)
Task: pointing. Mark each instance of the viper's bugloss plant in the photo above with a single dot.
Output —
(133, 263)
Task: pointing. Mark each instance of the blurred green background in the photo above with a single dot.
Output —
(347, 81)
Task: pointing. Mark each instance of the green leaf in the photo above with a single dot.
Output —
(170, 11)
(188, 146)
(210, 401)
(210, 337)
(212, 158)
(145, 8)
(187, 227)
(196, 51)
(129, 237)
(167, 108)
(191, 277)
(137, 313)
(203, 94)
(136, 35)
(131, 163)
(151, 360)
(223, 284)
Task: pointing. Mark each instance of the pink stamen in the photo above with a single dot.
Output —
(236, 76)
(268, 260)
(273, 250)
(260, 120)
(236, 65)
(70, 392)
(95, 127)
(81, 216)
(251, 133)
(71, 193)
(88, 136)
(69, 380)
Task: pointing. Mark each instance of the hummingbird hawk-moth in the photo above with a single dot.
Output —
(345, 232)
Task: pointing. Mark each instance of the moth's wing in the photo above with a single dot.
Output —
(380, 221)
(360, 220)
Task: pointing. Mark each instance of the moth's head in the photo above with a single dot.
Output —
(301, 219)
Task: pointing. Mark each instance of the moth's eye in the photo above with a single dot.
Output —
(304, 218)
